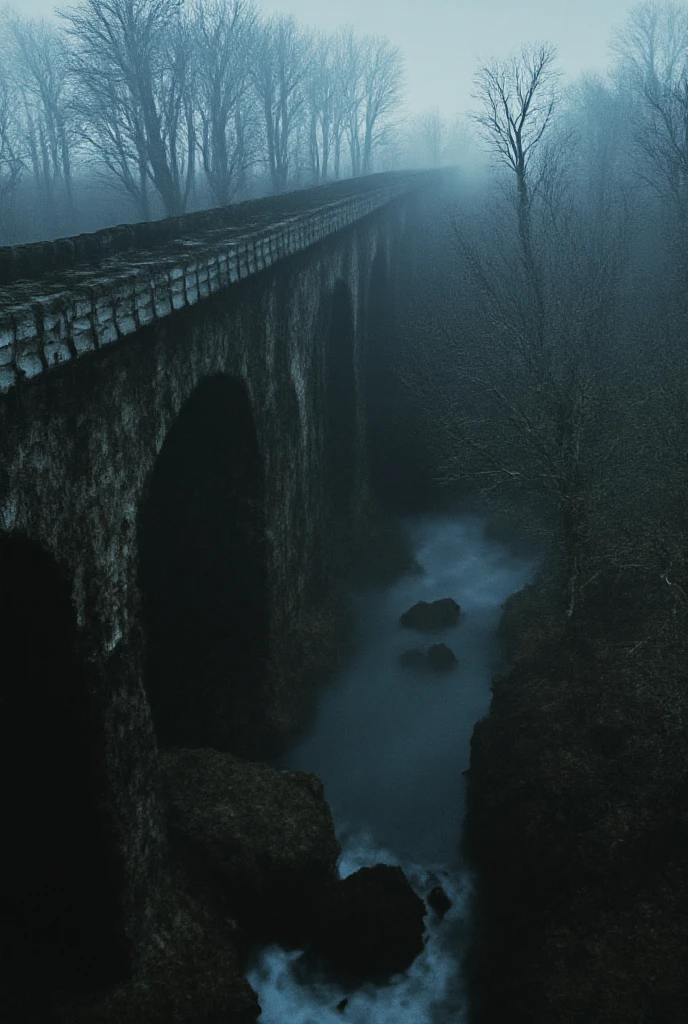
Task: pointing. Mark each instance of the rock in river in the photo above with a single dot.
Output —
(433, 616)
(441, 658)
(259, 841)
(439, 901)
(414, 659)
(370, 925)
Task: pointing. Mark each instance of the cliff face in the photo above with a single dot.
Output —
(577, 828)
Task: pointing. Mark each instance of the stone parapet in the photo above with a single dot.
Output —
(61, 315)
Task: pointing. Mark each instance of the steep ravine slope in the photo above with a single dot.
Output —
(577, 827)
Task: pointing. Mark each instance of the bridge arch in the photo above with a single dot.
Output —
(341, 419)
(379, 364)
(61, 929)
(203, 570)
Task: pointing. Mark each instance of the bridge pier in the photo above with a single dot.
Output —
(181, 480)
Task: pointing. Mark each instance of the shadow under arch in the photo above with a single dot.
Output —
(340, 401)
(203, 573)
(61, 928)
(379, 363)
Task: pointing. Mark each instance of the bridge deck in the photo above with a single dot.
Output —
(62, 299)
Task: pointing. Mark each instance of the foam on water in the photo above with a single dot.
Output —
(390, 745)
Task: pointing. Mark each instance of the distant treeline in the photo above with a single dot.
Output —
(136, 109)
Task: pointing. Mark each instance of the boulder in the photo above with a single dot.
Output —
(441, 658)
(433, 616)
(370, 925)
(414, 659)
(439, 901)
(259, 844)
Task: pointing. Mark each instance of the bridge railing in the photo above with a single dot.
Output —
(65, 314)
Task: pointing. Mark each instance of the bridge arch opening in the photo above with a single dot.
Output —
(340, 401)
(61, 929)
(379, 366)
(203, 572)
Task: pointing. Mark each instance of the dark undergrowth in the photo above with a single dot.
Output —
(577, 820)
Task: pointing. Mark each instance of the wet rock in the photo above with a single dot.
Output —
(342, 1005)
(438, 658)
(257, 841)
(433, 616)
(370, 925)
(414, 659)
(441, 658)
(439, 901)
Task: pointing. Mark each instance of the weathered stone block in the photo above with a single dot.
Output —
(29, 363)
(55, 353)
(6, 331)
(82, 306)
(126, 323)
(223, 269)
(177, 293)
(145, 312)
(162, 303)
(83, 340)
(107, 335)
(8, 378)
(213, 276)
(203, 283)
(104, 311)
(25, 325)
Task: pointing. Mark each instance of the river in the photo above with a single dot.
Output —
(390, 744)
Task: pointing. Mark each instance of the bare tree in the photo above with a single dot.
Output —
(133, 67)
(433, 129)
(11, 163)
(652, 54)
(352, 95)
(344, 69)
(177, 106)
(383, 79)
(279, 69)
(223, 32)
(517, 98)
(321, 94)
(41, 65)
(370, 75)
(508, 420)
(598, 111)
(426, 138)
(522, 382)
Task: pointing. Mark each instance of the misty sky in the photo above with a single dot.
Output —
(442, 40)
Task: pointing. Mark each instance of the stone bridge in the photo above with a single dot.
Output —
(182, 434)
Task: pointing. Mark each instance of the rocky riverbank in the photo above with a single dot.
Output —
(253, 859)
(577, 826)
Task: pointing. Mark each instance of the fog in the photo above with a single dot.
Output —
(442, 40)
(390, 744)
(65, 168)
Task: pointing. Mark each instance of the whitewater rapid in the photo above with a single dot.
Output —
(390, 744)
